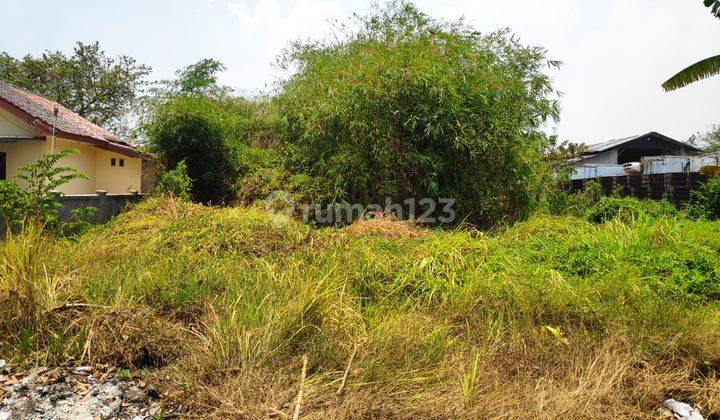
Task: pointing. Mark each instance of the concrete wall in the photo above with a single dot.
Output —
(107, 205)
(677, 187)
(117, 179)
(607, 158)
(84, 161)
(10, 125)
(91, 161)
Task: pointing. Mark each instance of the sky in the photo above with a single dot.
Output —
(615, 53)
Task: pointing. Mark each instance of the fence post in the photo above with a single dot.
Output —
(100, 217)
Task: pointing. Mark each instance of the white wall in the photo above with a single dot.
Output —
(607, 158)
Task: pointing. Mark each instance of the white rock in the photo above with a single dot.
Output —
(683, 410)
(81, 370)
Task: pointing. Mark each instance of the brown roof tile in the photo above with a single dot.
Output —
(67, 121)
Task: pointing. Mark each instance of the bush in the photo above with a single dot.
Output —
(629, 209)
(197, 131)
(409, 107)
(706, 200)
(37, 201)
(560, 201)
(175, 182)
(12, 203)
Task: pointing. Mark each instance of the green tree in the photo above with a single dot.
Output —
(197, 131)
(700, 70)
(96, 86)
(708, 141)
(199, 79)
(410, 107)
(193, 119)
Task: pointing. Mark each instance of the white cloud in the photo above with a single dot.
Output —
(266, 27)
(616, 53)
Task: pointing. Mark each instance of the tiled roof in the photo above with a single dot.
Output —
(67, 120)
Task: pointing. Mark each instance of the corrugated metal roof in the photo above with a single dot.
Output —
(607, 145)
(601, 147)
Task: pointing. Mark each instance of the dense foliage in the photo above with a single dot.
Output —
(629, 209)
(707, 140)
(410, 107)
(100, 88)
(196, 131)
(706, 200)
(175, 182)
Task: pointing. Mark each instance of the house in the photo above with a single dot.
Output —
(633, 149)
(607, 159)
(31, 126)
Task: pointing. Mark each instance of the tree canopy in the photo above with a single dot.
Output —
(410, 107)
(96, 86)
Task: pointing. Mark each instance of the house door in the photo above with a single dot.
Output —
(3, 174)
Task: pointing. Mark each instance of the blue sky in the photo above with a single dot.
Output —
(616, 53)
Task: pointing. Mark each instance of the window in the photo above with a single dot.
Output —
(3, 158)
(122, 162)
(112, 162)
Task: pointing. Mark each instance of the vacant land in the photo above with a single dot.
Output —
(218, 307)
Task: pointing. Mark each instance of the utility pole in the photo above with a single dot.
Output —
(56, 111)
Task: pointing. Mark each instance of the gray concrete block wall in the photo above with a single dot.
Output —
(677, 187)
(107, 205)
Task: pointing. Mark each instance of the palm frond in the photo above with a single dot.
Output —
(698, 71)
(714, 5)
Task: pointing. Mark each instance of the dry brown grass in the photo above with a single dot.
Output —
(387, 228)
(134, 337)
(218, 307)
(598, 382)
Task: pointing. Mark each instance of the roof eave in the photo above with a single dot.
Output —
(41, 128)
(103, 144)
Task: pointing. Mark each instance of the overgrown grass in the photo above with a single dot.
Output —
(555, 316)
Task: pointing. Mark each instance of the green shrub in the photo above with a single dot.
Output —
(411, 107)
(175, 182)
(629, 209)
(197, 131)
(81, 220)
(560, 201)
(706, 200)
(37, 201)
(13, 203)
